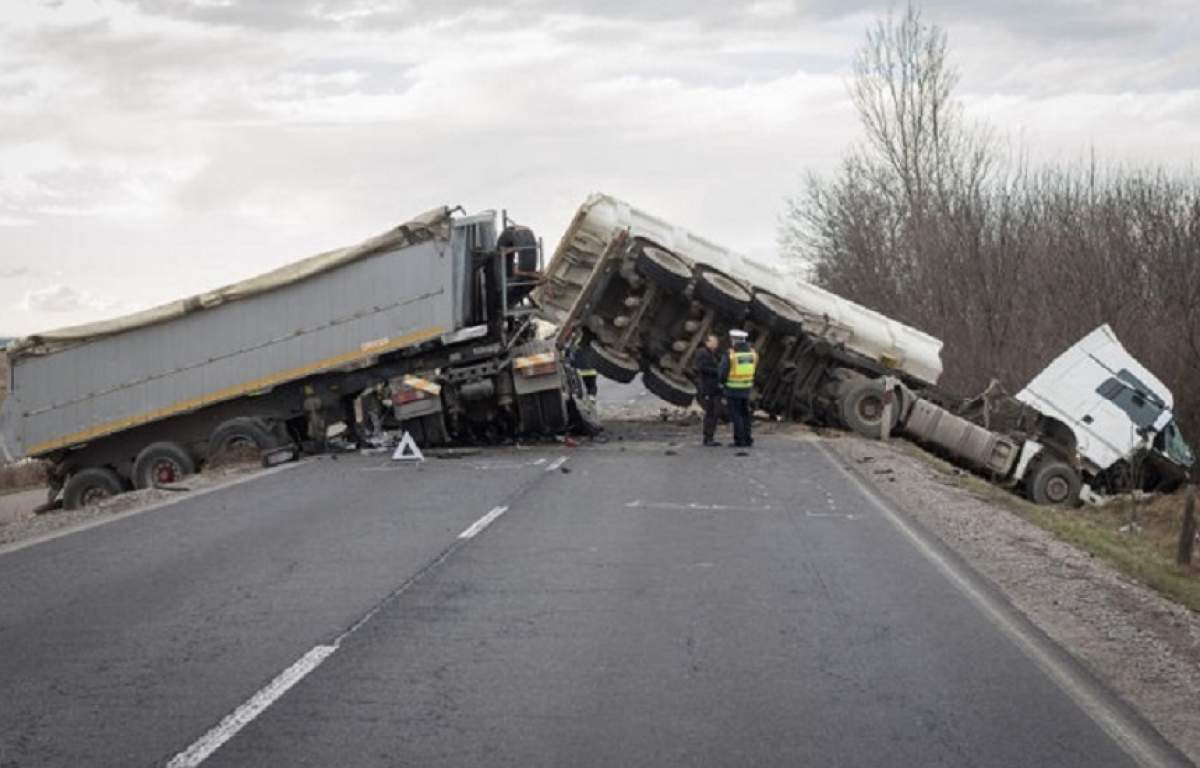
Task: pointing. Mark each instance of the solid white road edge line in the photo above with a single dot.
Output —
(483, 522)
(182, 497)
(556, 463)
(1109, 718)
(252, 708)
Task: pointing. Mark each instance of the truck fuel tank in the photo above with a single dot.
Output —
(982, 449)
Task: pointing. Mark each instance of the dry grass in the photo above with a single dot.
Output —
(1144, 551)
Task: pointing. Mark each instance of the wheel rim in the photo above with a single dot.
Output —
(667, 261)
(779, 306)
(870, 408)
(94, 494)
(166, 471)
(239, 441)
(727, 286)
(1057, 489)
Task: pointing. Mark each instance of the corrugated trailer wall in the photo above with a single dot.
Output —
(377, 304)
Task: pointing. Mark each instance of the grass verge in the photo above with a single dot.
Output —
(1144, 552)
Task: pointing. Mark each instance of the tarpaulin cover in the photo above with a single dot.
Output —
(432, 224)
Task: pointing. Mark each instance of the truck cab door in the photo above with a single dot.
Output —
(1104, 431)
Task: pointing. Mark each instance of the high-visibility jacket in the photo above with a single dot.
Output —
(587, 371)
(741, 369)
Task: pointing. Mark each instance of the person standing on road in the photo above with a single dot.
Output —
(586, 373)
(737, 371)
(708, 384)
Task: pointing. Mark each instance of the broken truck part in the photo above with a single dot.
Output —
(638, 294)
(426, 327)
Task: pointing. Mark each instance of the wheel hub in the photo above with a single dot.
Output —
(870, 408)
(1057, 489)
(166, 471)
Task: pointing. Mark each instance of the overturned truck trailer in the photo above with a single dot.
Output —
(638, 294)
(427, 326)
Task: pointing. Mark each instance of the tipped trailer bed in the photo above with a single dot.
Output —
(637, 295)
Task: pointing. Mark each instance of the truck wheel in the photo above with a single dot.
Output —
(723, 292)
(862, 408)
(161, 464)
(90, 486)
(427, 430)
(543, 413)
(776, 314)
(663, 268)
(1053, 482)
(241, 432)
(612, 364)
(674, 389)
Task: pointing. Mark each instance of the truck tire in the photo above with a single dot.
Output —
(243, 431)
(862, 408)
(1053, 481)
(722, 292)
(89, 486)
(161, 464)
(612, 364)
(663, 268)
(776, 314)
(428, 430)
(543, 413)
(674, 389)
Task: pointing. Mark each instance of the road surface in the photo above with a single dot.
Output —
(634, 604)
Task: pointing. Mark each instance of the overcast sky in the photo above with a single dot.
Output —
(151, 149)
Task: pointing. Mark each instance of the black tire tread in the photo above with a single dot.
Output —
(666, 279)
(710, 293)
(148, 455)
(602, 361)
(773, 321)
(667, 390)
(81, 481)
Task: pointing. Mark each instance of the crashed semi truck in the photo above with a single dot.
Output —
(427, 325)
(637, 295)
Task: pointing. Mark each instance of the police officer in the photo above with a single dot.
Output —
(708, 384)
(737, 371)
(587, 375)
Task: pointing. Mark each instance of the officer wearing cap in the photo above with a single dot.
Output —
(737, 371)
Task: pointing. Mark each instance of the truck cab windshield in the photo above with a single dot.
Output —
(1175, 447)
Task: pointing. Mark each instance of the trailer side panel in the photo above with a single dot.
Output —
(342, 317)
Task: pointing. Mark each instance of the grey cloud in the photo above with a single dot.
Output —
(1046, 19)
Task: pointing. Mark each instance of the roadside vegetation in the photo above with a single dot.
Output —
(22, 476)
(941, 223)
(1137, 537)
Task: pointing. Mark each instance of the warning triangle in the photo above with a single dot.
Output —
(407, 450)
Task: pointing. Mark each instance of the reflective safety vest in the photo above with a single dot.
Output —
(741, 369)
(587, 371)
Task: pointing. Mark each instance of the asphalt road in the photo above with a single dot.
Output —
(700, 609)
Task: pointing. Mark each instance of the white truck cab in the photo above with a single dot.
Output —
(1117, 409)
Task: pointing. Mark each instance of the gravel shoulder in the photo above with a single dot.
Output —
(1142, 645)
(19, 524)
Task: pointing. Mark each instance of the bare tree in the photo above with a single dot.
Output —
(930, 222)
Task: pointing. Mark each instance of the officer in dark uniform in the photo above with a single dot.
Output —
(737, 371)
(708, 384)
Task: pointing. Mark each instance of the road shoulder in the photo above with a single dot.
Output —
(1143, 646)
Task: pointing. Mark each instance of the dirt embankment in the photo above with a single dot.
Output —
(1143, 645)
